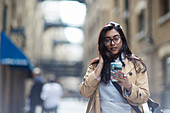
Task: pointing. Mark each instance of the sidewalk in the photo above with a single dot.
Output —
(70, 105)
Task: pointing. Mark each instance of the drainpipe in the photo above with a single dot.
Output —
(3, 29)
(4, 18)
(127, 14)
(149, 34)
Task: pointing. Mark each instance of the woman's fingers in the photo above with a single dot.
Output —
(119, 74)
(120, 77)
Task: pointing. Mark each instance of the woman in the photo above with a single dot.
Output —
(97, 84)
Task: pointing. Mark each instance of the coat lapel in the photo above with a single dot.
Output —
(128, 67)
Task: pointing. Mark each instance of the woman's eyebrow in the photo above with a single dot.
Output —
(115, 35)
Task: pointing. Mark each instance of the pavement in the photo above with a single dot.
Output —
(70, 105)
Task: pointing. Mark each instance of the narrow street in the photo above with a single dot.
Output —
(43, 42)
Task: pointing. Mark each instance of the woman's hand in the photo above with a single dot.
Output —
(99, 67)
(122, 80)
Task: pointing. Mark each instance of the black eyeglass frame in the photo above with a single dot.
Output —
(110, 40)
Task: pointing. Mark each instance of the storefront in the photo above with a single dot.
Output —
(15, 69)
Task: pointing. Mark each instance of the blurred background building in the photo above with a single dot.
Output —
(21, 30)
(60, 37)
(38, 33)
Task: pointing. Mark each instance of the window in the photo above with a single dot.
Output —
(166, 92)
(164, 7)
(141, 20)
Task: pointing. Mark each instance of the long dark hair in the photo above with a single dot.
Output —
(109, 57)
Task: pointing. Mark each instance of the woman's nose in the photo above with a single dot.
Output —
(112, 42)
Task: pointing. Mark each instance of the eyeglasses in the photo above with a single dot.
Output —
(116, 39)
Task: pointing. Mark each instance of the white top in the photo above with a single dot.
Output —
(51, 95)
(111, 100)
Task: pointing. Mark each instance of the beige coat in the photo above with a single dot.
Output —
(89, 87)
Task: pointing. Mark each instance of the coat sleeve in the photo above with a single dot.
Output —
(89, 84)
(140, 90)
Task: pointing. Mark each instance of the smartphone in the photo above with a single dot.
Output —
(114, 67)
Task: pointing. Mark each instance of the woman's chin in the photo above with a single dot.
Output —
(114, 52)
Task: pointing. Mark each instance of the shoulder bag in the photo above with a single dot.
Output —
(152, 106)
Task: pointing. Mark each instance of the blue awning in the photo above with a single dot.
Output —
(11, 54)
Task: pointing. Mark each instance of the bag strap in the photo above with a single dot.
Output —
(117, 86)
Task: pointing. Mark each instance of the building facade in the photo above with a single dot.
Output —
(146, 24)
(44, 44)
(22, 22)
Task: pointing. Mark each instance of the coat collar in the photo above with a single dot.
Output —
(128, 66)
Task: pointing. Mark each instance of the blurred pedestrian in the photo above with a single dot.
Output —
(114, 91)
(51, 95)
(34, 97)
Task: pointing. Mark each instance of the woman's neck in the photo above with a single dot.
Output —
(115, 57)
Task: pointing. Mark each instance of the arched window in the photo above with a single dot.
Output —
(141, 20)
(164, 7)
(166, 83)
